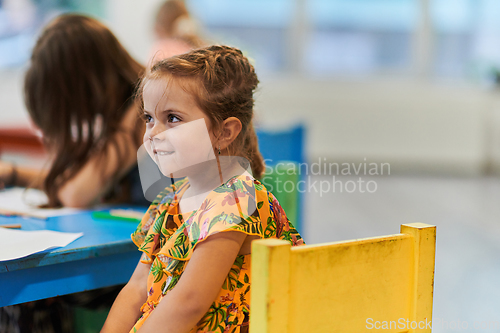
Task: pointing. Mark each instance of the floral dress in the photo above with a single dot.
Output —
(168, 239)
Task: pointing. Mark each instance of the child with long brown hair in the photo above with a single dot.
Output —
(194, 274)
(79, 92)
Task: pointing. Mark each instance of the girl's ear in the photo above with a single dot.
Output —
(230, 129)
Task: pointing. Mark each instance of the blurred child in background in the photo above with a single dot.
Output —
(79, 93)
(175, 30)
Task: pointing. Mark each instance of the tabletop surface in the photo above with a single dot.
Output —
(100, 237)
(104, 256)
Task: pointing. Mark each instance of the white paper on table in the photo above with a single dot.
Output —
(26, 201)
(16, 244)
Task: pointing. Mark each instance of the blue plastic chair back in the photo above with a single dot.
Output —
(287, 145)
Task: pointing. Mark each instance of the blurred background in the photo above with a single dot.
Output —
(411, 83)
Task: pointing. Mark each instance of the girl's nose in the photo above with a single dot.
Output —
(157, 132)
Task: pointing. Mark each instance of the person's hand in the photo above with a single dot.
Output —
(7, 174)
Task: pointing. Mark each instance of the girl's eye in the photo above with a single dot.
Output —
(147, 118)
(173, 118)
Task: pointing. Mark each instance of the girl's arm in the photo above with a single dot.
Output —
(126, 308)
(92, 181)
(181, 309)
(11, 175)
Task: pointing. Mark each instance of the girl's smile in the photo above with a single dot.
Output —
(162, 153)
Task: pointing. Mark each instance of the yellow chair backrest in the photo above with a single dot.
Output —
(372, 284)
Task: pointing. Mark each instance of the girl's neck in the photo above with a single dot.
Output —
(212, 176)
(204, 182)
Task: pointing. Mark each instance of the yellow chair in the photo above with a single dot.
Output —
(382, 284)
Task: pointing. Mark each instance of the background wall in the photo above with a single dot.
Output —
(416, 126)
(132, 22)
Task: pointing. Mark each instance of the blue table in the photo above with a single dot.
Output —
(104, 256)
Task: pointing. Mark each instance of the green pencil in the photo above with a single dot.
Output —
(119, 214)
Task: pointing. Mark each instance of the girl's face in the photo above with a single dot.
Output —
(178, 133)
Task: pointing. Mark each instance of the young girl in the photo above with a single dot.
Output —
(194, 275)
(79, 92)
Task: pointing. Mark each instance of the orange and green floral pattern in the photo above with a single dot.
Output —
(168, 239)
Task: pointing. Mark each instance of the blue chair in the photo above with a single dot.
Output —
(284, 151)
(287, 145)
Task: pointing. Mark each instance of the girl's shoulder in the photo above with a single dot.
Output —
(244, 183)
(242, 191)
(242, 204)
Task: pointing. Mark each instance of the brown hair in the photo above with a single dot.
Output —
(168, 17)
(79, 72)
(221, 81)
